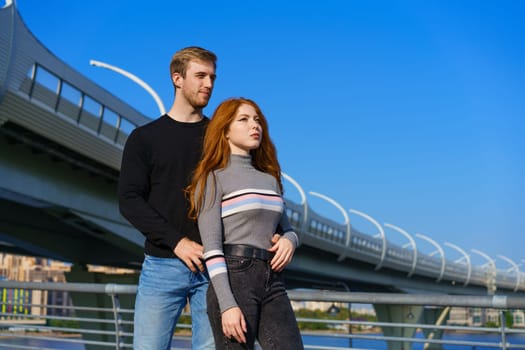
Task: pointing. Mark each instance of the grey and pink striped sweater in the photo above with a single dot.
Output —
(245, 208)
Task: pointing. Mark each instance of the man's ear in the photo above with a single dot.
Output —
(176, 78)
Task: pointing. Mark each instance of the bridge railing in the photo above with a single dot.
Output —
(325, 234)
(29, 70)
(102, 318)
(69, 102)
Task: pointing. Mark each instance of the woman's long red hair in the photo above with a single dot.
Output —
(216, 151)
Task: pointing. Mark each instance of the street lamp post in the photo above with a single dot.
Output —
(439, 249)
(381, 234)
(345, 216)
(467, 259)
(491, 278)
(412, 243)
(136, 79)
(514, 267)
(304, 203)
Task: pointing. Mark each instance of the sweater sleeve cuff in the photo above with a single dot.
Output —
(292, 236)
(173, 239)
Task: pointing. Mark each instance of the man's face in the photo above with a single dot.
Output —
(197, 86)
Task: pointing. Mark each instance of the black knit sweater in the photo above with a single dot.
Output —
(157, 163)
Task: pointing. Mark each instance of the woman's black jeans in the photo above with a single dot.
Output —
(261, 295)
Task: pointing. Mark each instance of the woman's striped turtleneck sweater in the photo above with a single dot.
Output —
(246, 208)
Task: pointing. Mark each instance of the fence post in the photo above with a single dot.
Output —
(117, 316)
(503, 325)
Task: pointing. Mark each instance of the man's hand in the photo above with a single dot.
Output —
(190, 253)
(234, 325)
(283, 249)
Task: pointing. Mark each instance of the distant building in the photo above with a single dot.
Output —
(477, 317)
(518, 317)
(33, 269)
(460, 316)
(364, 309)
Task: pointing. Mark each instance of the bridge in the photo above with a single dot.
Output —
(61, 140)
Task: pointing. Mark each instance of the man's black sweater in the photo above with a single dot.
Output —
(157, 164)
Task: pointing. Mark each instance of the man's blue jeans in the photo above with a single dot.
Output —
(165, 285)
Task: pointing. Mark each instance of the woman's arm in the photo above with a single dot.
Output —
(283, 246)
(210, 227)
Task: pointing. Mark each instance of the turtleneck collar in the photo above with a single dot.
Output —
(241, 160)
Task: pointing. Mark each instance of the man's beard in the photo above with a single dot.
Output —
(197, 101)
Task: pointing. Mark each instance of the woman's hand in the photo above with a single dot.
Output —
(283, 249)
(234, 325)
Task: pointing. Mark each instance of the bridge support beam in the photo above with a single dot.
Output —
(82, 275)
(406, 314)
(436, 316)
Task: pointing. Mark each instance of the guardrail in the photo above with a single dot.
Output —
(43, 94)
(29, 68)
(345, 241)
(70, 102)
(102, 322)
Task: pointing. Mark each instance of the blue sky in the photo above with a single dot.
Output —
(409, 111)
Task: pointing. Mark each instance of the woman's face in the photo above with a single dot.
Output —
(245, 131)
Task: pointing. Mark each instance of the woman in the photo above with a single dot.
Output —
(236, 194)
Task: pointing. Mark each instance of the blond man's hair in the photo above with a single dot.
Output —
(180, 60)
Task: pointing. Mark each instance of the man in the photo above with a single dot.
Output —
(156, 167)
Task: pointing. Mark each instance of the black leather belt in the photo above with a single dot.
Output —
(247, 251)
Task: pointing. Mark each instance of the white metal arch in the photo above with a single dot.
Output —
(304, 203)
(439, 249)
(7, 3)
(412, 242)
(345, 215)
(467, 259)
(490, 261)
(136, 79)
(514, 267)
(381, 234)
(491, 284)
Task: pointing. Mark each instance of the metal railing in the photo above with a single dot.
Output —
(68, 101)
(101, 315)
(45, 95)
(325, 234)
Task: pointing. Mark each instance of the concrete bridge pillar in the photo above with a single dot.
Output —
(406, 314)
(436, 316)
(80, 274)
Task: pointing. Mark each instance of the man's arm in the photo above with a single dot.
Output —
(133, 191)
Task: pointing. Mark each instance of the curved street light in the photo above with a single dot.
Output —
(304, 203)
(136, 79)
(491, 279)
(412, 243)
(490, 261)
(381, 234)
(514, 267)
(439, 249)
(466, 257)
(345, 215)
(7, 3)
